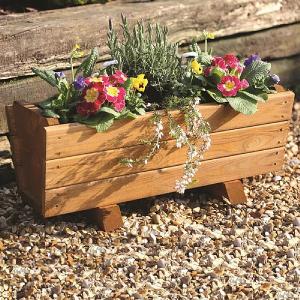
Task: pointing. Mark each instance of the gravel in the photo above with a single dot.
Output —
(171, 247)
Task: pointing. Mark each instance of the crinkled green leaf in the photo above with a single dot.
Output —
(110, 110)
(217, 97)
(243, 105)
(140, 110)
(47, 75)
(104, 124)
(259, 97)
(256, 72)
(87, 66)
(100, 121)
(127, 114)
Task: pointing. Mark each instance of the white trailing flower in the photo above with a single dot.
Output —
(154, 143)
(110, 63)
(197, 128)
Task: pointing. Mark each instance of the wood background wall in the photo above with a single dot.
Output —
(44, 39)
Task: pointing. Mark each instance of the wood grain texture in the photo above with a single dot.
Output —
(233, 191)
(108, 218)
(29, 153)
(135, 186)
(106, 164)
(282, 42)
(185, 20)
(75, 139)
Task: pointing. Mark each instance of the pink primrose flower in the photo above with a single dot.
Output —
(114, 94)
(231, 60)
(229, 86)
(118, 77)
(219, 62)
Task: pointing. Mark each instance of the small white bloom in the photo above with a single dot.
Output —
(189, 55)
(110, 63)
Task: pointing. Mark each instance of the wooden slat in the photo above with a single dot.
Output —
(106, 164)
(135, 186)
(75, 139)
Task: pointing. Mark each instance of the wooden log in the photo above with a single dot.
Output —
(66, 27)
(108, 218)
(115, 190)
(70, 139)
(282, 42)
(106, 164)
(231, 190)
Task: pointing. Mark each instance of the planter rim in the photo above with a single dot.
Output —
(279, 92)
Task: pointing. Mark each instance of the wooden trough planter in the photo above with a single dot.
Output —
(64, 168)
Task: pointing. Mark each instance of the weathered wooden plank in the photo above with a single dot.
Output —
(66, 27)
(106, 164)
(146, 184)
(274, 43)
(75, 139)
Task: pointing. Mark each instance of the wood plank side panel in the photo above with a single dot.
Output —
(30, 153)
(135, 186)
(106, 164)
(75, 139)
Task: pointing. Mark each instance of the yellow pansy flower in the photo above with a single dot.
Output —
(139, 83)
(196, 67)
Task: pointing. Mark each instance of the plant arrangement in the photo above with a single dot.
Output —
(147, 73)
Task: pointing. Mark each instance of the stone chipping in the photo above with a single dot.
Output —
(171, 246)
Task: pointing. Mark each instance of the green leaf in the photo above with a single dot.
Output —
(243, 105)
(256, 71)
(87, 66)
(217, 74)
(48, 103)
(49, 113)
(127, 114)
(47, 75)
(260, 97)
(101, 121)
(217, 96)
(104, 124)
(110, 110)
(127, 84)
(140, 110)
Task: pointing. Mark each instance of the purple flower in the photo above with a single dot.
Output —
(275, 78)
(79, 83)
(60, 75)
(251, 59)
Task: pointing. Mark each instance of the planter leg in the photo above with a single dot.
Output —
(108, 218)
(232, 190)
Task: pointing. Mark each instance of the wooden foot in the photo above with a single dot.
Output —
(108, 218)
(232, 190)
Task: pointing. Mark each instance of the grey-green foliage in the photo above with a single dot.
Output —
(144, 49)
(203, 57)
(256, 73)
(87, 66)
